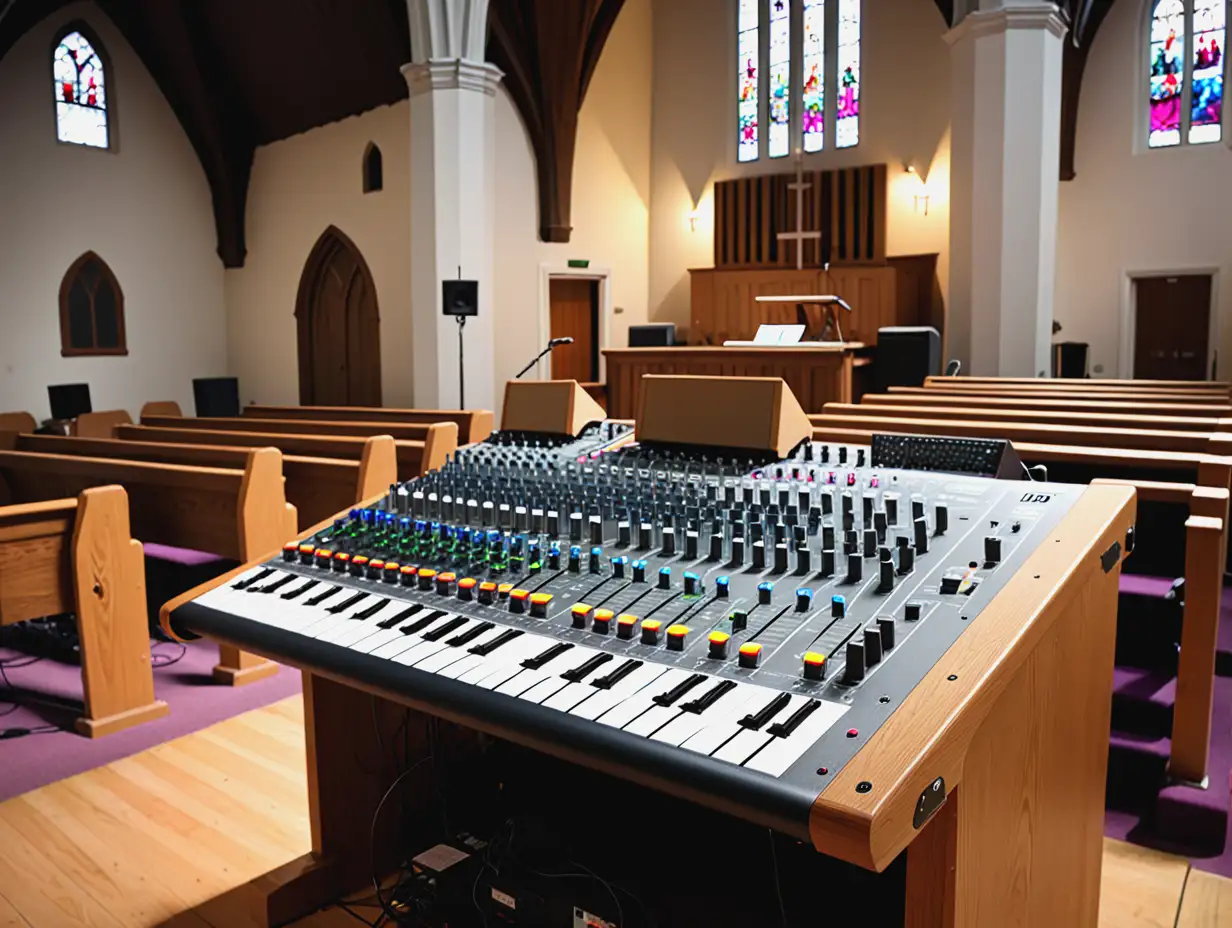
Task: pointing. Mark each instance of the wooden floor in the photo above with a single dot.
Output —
(169, 836)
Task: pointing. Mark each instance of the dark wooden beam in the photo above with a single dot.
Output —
(1086, 16)
(548, 50)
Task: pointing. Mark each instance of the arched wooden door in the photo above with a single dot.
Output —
(339, 326)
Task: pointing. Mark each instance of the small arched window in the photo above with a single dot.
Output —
(80, 89)
(374, 170)
(91, 310)
(1186, 67)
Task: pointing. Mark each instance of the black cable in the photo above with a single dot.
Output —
(158, 659)
(778, 887)
(376, 882)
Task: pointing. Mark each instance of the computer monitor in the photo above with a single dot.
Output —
(217, 396)
(654, 335)
(69, 400)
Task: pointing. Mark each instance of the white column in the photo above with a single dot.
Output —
(1006, 72)
(452, 179)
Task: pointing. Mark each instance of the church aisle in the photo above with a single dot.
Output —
(168, 838)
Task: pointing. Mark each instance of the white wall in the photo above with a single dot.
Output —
(611, 197)
(300, 186)
(904, 120)
(143, 207)
(1132, 211)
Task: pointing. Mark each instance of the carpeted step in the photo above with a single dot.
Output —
(1148, 625)
(1137, 770)
(1194, 818)
(1142, 701)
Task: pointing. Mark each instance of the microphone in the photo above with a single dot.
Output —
(554, 343)
(566, 340)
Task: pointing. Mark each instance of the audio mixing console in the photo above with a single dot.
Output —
(729, 624)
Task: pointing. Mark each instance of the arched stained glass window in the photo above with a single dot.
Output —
(825, 38)
(80, 90)
(374, 169)
(1186, 67)
(91, 309)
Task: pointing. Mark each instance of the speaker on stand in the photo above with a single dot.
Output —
(460, 299)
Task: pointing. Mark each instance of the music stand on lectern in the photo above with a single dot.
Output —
(829, 303)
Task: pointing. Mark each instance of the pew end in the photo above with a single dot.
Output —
(160, 408)
(100, 424)
(17, 422)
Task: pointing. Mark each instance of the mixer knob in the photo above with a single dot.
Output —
(814, 666)
(444, 583)
(803, 560)
(716, 547)
(669, 541)
(854, 671)
(804, 599)
(624, 534)
(842, 454)
(580, 613)
(575, 559)
(804, 500)
(718, 645)
(906, 560)
(885, 583)
(867, 505)
(553, 523)
(722, 587)
(855, 569)
(750, 655)
(825, 454)
(992, 549)
(880, 524)
(517, 601)
(941, 519)
(596, 530)
(917, 509)
(692, 585)
(537, 521)
(891, 506)
(759, 555)
(827, 562)
(601, 622)
(651, 629)
(838, 607)
(618, 567)
(487, 513)
(625, 625)
(504, 513)
(859, 457)
(639, 571)
(690, 545)
(575, 526)
(885, 626)
(827, 535)
(851, 542)
(911, 612)
(466, 589)
(827, 502)
(848, 503)
(596, 559)
(737, 556)
(487, 593)
(870, 543)
(780, 558)
(764, 591)
(676, 635)
(644, 533)
(665, 578)
(554, 557)
(739, 621)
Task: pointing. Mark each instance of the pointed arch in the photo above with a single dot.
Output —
(338, 325)
(82, 87)
(91, 310)
(374, 169)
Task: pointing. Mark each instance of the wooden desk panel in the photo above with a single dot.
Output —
(816, 375)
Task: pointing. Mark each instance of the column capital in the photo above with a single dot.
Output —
(452, 74)
(447, 28)
(1026, 14)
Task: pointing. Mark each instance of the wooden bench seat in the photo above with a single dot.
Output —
(1097, 420)
(77, 556)
(473, 424)
(1199, 399)
(1093, 385)
(425, 432)
(1045, 402)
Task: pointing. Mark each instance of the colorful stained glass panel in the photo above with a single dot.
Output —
(80, 92)
(779, 140)
(1167, 73)
(847, 123)
(813, 98)
(746, 80)
(1206, 105)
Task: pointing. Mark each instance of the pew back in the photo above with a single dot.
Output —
(17, 422)
(1091, 385)
(1047, 417)
(473, 424)
(1124, 396)
(100, 424)
(1046, 402)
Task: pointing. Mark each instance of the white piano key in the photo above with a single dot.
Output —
(399, 645)
(506, 660)
(621, 715)
(466, 662)
(440, 660)
(334, 623)
(603, 700)
(419, 651)
(687, 724)
(727, 740)
(553, 681)
(569, 696)
(778, 756)
(654, 718)
(378, 638)
(543, 689)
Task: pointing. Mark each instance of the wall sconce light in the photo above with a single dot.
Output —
(694, 216)
(922, 195)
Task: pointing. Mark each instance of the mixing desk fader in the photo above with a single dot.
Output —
(731, 624)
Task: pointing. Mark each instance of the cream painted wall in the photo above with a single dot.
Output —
(905, 120)
(300, 186)
(611, 197)
(1132, 211)
(143, 207)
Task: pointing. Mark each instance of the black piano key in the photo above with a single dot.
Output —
(709, 698)
(321, 597)
(365, 614)
(422, 622)
(552, 652)
(759, 718)
(272, 587)
(611, 679)
(785, 728)
(670, 697)
(300, 590)
(489, 646)
(400, 617)
(451, 626)
(470, 634)
(581, 672)
(346, 603)
(251, 581)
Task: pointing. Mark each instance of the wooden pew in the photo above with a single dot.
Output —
(77, 555)
(99, 424)
(1094, 385)
(1045, 402)
(1043, 416)
(473, 424)
(318, 487)
(161, 408)
(238, 514)
(17, 422)
(413, 458)
(1122, 396)
(402, 431)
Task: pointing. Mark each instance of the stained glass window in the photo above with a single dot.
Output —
(813, 90)
(80, 92)
(746, 86)
(91, 309)
(847, 122)
(1167, 72)
(780, 78)
(1206, 104)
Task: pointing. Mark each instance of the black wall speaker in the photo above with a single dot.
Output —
(217, 397)
(906, 355)
(1069, 359)
(460, 297)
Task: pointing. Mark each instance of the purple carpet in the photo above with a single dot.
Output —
(186, 686)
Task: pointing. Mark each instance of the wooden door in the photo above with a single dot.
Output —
(575, 313)
(1172, 327)
(339, 327)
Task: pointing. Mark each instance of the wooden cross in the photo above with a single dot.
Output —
(799, 236)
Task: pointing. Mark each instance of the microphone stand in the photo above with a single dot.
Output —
(534, 361)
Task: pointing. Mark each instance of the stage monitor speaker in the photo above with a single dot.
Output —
(69, 400)
(906, 354)
(1069, 359)
(460, 297)
(217, 397)
(654, 335)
